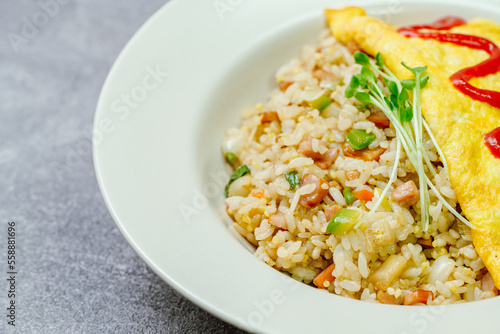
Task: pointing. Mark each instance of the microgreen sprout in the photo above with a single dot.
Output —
(406, 117)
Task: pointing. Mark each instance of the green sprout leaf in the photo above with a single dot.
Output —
(406, 114)
(361, 58)
(379, 60)
(353, 86)
(363, 97)
(415, 70)
(423, 81)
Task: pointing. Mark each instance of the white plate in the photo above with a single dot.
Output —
(172, 93)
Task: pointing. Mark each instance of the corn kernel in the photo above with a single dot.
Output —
(385, 202)
(398, 293)
(259, 106)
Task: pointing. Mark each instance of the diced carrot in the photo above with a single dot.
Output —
(364, 195)
(380, 119)
(258, 193)
(324, 276)
(284, 85)
(269, 116)
(418, 296)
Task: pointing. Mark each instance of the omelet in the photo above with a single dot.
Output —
(458, 122)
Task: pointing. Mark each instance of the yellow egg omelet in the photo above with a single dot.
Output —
(458, 122)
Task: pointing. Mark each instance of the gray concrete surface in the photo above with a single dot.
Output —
(75, 271)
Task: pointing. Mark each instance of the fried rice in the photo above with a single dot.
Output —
(388, 256)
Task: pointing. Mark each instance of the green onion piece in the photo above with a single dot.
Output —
(349, 196)
(320, 103)
(231, 157)
(293, 179)
(241, 171)
(359, 139)
(342, 222)
(362, 107)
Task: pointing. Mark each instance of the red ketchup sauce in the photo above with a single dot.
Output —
(460, 79)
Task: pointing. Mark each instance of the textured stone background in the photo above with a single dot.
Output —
(77, 274)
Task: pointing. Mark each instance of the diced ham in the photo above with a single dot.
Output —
(316, 196)
(324, 75)
(386, 298)
(328, 158)
(278, 219)
(269, 116)
(306, 148)
(352, 175)
(335, 184)
(365, 154)
(325, 160)
(331, 211)
(353, 47)
(379, 119)
(285, 84)
(406, 194)
(487, 283)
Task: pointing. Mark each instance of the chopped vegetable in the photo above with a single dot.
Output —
(385, 202)
(325, 277)
(363, 194)
(389, 271)
(418, 296)
(241, 171)
(405, 116)
(320, 103)
(284, 85)
(342, 222)
(349, 196)
(293, 179)
(258, 193)
(359, 139)
(231, 157)
(269, 116)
